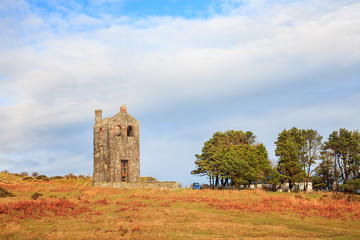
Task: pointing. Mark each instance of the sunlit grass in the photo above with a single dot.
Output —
(73, 209)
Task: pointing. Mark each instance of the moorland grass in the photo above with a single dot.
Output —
(73, 209)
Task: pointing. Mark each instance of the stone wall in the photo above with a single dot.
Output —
(145, 185)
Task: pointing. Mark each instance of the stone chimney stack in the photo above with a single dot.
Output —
(98, 116)
(123, 108)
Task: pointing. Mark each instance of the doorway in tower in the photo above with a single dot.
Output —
(124, 170)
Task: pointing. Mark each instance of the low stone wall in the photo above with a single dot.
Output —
(146, 185)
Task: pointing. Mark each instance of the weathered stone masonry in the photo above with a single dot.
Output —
(116, 148)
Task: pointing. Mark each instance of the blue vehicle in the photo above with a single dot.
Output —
(196, 186)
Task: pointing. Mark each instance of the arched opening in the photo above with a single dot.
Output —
(100, 133)
(117, 130)
(130, 131)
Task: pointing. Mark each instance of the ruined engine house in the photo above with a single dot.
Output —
(116, 148)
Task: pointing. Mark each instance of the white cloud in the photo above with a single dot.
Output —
(58, 70)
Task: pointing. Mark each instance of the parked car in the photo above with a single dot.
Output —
(196, 186)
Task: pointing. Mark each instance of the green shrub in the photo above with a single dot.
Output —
(351, 186)
(42, 177)
(36, 195)
(355, 184)
(319, 186)
(148, 179)
(56, 177)
(4, 193)
(70, 176)
(27, 179)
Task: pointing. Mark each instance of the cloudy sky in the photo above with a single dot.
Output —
(185, 69)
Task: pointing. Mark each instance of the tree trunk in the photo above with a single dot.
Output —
(217, 181)
(342, 172)
(290, 185)
(304, 178)
(222, 181)
(335, 168)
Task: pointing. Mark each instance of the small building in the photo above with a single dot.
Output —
(116, 148)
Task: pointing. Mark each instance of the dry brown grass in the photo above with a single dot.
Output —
(72, 209)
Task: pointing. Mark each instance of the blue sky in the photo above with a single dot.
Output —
(134, 8)
(185, 69)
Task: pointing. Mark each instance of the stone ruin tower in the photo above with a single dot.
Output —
(116, 148)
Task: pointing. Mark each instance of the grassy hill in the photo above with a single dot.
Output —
(72, 209)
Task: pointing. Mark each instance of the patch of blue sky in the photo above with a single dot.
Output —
(131, 8)
(175, 8)
(6, 101)
(145, 8)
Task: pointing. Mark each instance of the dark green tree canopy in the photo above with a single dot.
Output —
(235, 158)
(344, 146)
(298, 150)
(232, 157)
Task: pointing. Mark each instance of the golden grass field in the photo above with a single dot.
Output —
(73, 209)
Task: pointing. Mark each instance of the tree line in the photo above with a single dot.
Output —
(235, 158)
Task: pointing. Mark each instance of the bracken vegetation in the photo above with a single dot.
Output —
(72, 209)
(42, 208)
